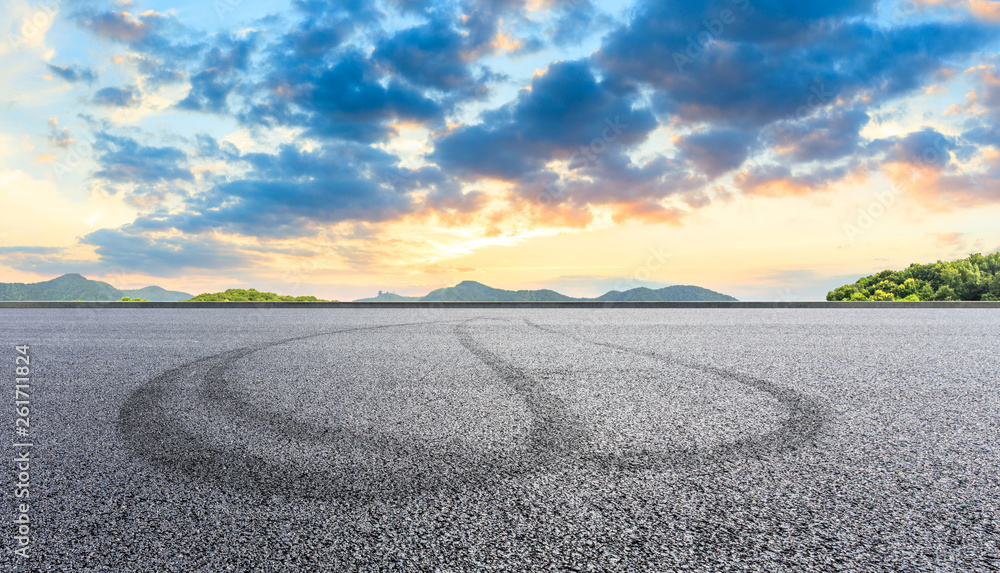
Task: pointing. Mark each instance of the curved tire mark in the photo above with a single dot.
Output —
(554, 432)
(157, 436)
(806, 417)
(555, 436)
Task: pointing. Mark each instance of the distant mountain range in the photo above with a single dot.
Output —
(472, 291)
(76, 287)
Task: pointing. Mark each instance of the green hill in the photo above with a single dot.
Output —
(974, 278)
(73, 286)
(250, 295)
(472, 291)
(389, 297)
(156, 294)
(478, 292)
(66, 287)
(676, 293)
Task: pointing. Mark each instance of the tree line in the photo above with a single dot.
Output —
(251, 295)
(974, 278)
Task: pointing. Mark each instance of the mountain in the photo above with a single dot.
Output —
(666, 294)
(66, 287)
(76, 287)
(389, 297)
(156, 294)
(472, 291)
(478, 292)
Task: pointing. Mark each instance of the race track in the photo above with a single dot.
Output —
(512, 439)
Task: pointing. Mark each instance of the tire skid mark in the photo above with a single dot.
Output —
(554, 432)
(556, 436)
(806, 417)
(166, 442)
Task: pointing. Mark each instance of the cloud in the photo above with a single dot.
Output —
(150, 32)
(58, 137)
(432, 55)
(294, 192)
(165, 256)
(124, 160)
(219, 75)
(953, 239)
(985, 133)
(717, 151)
(30, 250)
(575, 21)
(567, 114)
(73, 74)
(947, 190)
(775, 180)
(348, 100)
(988, 10)
(827, 136)
(776, 57)
(55, 264)
(926, 147)
(127, 96)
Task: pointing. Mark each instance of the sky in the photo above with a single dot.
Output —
(770, 150)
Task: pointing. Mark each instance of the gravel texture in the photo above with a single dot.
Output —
(509, 439)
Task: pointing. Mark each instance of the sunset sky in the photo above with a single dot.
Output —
(767, 150)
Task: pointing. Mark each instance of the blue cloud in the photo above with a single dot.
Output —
(576, 21)
(718, 151)
(124, 160)
(566, 114)
(73, 74)
(349, 99)
(826, 136)
(925, 147)
(291, 192)
(127, 96)
(430, 55)
(219, 75)
(30, 250)
(986, 133)
(132, 249)
(150, 32)
(775, 60)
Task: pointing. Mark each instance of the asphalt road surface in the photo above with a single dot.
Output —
(507, 440)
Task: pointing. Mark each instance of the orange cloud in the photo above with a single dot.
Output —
(647, 212)
(953, 239)
(505, 42)
(944, 188)
(985, 10)
(971, 106)
(779, 181)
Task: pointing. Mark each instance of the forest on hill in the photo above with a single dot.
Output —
(976, 277)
